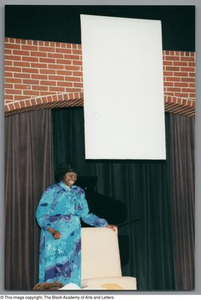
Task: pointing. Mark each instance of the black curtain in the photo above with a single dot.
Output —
(143, 187)
(182, 148)
(28, 171)
(159, 196)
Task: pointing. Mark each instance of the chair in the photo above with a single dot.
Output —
(101, 261)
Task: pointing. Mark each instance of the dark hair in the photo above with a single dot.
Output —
(62, 169)
(48, 286)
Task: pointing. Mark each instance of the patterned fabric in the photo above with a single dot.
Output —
(61, 209)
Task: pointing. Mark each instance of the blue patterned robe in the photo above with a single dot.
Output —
(61, 209)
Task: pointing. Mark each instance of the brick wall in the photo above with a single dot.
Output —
(41, 73)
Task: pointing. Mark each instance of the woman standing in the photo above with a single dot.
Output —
(58, 214)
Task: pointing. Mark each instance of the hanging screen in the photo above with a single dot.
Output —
(123, 88)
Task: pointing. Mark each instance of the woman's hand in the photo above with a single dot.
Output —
(56, 234)
(113, 227)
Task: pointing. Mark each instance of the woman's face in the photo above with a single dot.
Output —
(70, 178)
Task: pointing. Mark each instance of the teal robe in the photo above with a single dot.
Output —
(62, 209)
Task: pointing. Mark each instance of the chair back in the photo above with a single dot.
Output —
(100, 253)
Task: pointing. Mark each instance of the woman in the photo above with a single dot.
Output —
(58, 214)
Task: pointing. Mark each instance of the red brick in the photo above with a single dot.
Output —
(64, 61)
(181, 74)
(27, 103)
(11, 107)
(63, 51)
(12, 91)
(181, 95)
(22, 87)
(188, 79)
(48, 60)
(72, 57)
(21, 64)
(168, 83)
(177, 63)
(188, 90)
(31, 59)
(29, 70)
(21, 75)
(39, 66)
(56, 67)
(46, 82)
(60, 78)
(187, 69)
(55, 55)
(164, 73)
(12, 69)
(66, 84)
(77, 63)
(17, 106)
(45, 93)
(8, 86)
(8, 74)
(191, 74)
(173, 58)
(29, 48)
(167, 63)
(12, 57)
(68, 78)
(191, 64)
(174, 89)
(19, 98)
(73, 68)
(7, 51)
(47, 49)
(12, 46)
(73, 90)
(9, 97)
(192, 85)
(78, 85)
(39, 88)
(187, 58)
(8, 63)
(173, 79)
(13, 80)
(181, 84)
(67, 73)
(38, 54)
(172, 68)
(192, 95)
(80, 74)
(47, 71)
(57, 89)
(22, 103)
(79, 52)
(31, 93)
(22, 53)
(30, 81)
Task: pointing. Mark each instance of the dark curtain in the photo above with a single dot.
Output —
(28, 171)
(143, 187)
(182, 143)
(159, 196)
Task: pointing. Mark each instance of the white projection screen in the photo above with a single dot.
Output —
(123, 88)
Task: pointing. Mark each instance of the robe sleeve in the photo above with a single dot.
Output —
(43, 210)
(90, 218)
